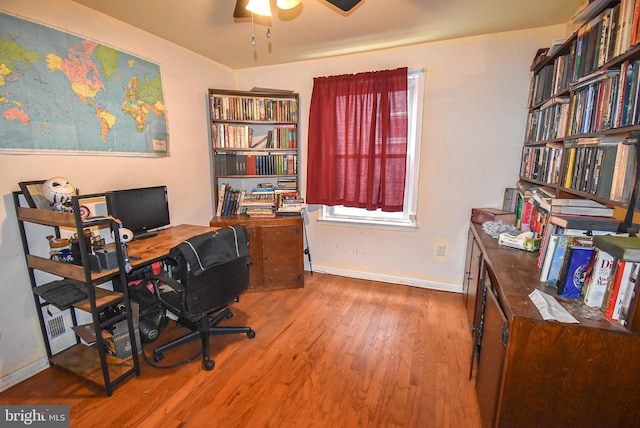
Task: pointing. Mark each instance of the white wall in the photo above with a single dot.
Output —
(186, 77)
(476, 91)
(474, 120)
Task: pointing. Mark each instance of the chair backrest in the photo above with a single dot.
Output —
(214, 280)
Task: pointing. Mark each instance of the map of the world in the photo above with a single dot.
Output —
(65, 93)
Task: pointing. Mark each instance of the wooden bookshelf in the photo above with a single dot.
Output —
(583, 100)
(254, 140)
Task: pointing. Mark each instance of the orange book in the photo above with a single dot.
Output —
(619, 280)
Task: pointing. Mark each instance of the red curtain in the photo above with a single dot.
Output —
(358, 140)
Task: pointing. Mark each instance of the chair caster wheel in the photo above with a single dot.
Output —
(158, 357)
(229, 315)
(209, 364)
(251, 334)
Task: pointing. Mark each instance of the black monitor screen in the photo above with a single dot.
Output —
(140, 210)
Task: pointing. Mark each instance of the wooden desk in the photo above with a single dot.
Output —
(157, 247)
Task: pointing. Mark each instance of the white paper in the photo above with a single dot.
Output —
(550, 308)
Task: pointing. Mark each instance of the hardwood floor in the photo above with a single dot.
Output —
(338, 353)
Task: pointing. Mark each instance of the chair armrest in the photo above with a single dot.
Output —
(165, 279)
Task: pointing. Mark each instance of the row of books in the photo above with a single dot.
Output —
(537, 204)
(253, 108)
(542, 163)
(255, 163)
(549, 122)
(602, 166)
(595, 269)
(552, 79)
(607, 100)
(225, 135)
(609, 34)
(265, 200)
(576, 250)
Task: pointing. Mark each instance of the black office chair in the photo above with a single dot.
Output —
(208, 273)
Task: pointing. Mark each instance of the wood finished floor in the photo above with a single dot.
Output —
(338, 353)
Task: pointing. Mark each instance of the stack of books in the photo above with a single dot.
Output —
(290, 204)
(260, 202)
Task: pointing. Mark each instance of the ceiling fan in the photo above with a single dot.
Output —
(262, 7)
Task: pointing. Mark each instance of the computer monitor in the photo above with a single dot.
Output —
(142, 210)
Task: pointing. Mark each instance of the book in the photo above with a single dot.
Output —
(606, 224)
(557, 260)
(612, 304)
(627, 296)
(546, 264)
(621, 247)
(549, 230)
(525, 222)
(576, 272)
(594, 209)
(596, 283)
(221, 197)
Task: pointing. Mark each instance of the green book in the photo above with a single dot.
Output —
(621, 247)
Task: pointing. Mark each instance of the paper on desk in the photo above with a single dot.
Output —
(550, 308)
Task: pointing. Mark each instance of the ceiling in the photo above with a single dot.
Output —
(317, 29)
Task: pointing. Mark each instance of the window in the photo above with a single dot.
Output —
(406, 218)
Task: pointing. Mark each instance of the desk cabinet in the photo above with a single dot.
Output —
(535, 373)
(275, 249)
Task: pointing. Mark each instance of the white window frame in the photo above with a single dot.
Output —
(406, 218)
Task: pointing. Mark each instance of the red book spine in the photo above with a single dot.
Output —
(608, 309)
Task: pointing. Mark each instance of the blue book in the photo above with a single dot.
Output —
(576, 272)
(557, 260)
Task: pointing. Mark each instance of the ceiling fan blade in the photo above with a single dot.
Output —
(345, 5)
(241, 9)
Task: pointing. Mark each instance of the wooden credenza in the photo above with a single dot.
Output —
(275, 249)
(536, 373)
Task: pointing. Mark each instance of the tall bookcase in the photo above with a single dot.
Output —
(584, 111)
(581, 142)
(254, 139)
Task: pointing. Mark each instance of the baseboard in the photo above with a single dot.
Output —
(24, 373)
(431, 285)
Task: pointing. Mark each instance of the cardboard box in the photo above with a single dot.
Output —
(482, 215)
(118, 342)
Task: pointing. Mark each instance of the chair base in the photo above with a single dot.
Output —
(204, 328)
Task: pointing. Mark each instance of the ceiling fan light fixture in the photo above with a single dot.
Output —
(287, 4)
(240, 10)
(345, 5)
(259, 7)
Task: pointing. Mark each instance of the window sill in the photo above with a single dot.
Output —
(376, 224)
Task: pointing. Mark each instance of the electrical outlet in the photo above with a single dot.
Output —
(440, 250)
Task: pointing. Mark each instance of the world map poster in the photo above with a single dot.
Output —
(60, 92)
